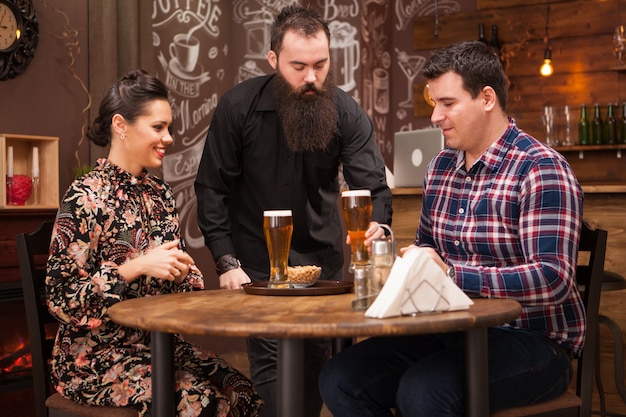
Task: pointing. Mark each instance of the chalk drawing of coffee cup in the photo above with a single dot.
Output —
(185, 51)
(381, 90)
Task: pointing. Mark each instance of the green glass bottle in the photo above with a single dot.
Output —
(583, 127)
(622, 125)
(610, 127)
(597, 126)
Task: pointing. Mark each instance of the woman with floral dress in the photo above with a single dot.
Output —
(117, 236)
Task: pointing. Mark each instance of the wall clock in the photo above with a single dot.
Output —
(19, 33)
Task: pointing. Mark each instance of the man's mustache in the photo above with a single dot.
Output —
(308, 88)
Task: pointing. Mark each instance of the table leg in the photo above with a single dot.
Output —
(477, 378)
(163, 375)
(290, 377)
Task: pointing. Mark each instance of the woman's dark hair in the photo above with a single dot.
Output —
(128, 97)
(477, 65)
(304, 21)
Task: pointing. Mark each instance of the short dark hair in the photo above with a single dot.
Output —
(477, 65)
(128, 97)
(303, 20)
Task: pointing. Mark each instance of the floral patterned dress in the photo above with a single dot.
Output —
(107, 217)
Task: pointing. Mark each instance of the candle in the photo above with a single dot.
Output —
(10, 162)
(36, 162)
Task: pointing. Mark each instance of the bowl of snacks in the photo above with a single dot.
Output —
(303, 276)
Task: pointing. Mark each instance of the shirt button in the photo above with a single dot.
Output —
(457, 243)
(461, 211)
(468, 179)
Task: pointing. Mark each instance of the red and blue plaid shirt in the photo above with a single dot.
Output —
(510, 226)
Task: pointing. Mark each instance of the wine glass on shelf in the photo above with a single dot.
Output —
(619, 43)
(547, 118)
(566, 126)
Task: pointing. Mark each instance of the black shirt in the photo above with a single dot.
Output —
(246, 168)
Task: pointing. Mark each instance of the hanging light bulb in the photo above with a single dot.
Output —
(546, 69)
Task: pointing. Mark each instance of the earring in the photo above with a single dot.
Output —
(122, 136)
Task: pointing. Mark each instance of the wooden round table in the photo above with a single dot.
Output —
(291, 319)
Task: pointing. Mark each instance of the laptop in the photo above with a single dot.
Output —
(412, 151)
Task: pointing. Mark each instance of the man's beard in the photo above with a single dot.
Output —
(309, 120)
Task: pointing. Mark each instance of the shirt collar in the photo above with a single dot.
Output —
(266, 99)
(120, 175)
(495, 154)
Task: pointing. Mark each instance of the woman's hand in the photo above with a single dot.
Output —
(165, 262)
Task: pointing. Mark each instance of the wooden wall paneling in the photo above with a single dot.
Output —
(531, 93)
(567, 19)
(569, 55)
(495, 4)
(589, 171)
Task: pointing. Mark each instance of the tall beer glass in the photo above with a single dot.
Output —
(278, 228)
(357, 212)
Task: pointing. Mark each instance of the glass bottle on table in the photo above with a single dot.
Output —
(597, 126)
(610, 127)
(583, 127)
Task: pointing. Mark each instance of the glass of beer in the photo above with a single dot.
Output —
(357, 212)
(278, 228)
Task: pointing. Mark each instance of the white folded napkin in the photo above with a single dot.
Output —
(416, 284)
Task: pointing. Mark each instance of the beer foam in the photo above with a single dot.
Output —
(356, 193)
(277, 213)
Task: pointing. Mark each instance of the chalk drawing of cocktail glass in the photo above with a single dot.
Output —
(410, 66)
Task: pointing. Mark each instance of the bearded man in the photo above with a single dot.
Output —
(277, 142)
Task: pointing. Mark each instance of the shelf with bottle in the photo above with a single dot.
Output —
(598, 133)
(581, 149)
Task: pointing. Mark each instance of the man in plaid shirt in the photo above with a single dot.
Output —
(501, 214)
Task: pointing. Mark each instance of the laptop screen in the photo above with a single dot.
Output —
(412, 151)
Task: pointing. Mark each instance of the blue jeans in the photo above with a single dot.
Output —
(425, 375)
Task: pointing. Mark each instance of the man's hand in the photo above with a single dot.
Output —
(431, 253)
(233, 279)
(373, 232)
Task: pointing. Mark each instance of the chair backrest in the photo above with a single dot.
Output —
(32, 251)
(589, 278)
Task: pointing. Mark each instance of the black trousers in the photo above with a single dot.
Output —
(262, 355)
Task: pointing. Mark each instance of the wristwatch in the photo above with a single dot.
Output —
(450, 272)
(225, 263)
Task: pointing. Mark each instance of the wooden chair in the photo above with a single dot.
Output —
(589, 277)
(32, 250)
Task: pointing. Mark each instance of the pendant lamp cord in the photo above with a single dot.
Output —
(547, 21)
(436, 33)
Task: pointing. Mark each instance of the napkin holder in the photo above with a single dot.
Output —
(416, 285)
